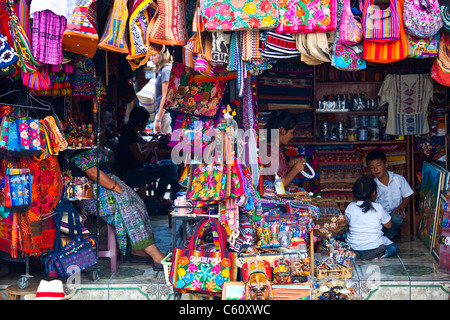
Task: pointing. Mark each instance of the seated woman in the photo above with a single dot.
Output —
(134, 155)
(271, 154)
(119, 205)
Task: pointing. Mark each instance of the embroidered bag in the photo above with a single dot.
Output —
(381, 25)
(186, 95)
(8, 56)
(445, 16)
(21, 42)
(232, 15)
(168, 25)
(440, 70)
(423, 47)
(389, 51)
(81, 35)
(29, 136)
(114, 35)
(297, 16)
(140, 48)
(350, 27)
(18, 192)
(203, 267)
(346, 58)
(78, 254)
(9, 136)
(422, 18)
(211, 180)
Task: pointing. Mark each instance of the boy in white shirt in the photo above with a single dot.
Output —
(366, 220)
(393, 191)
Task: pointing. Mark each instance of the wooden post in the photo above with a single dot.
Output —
(311, 251)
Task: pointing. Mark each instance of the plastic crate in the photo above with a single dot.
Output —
(167, 263)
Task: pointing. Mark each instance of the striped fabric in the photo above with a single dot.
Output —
(388, 52)
(114, 37)
(381, 25)
(84, 18)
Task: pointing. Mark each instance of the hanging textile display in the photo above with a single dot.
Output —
(114, 35)
(234, 15)
(140, 47)
(22, 45)
(81, 35)
(168, 25)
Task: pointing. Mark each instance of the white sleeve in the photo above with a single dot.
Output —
(382, 214)
(405, 188)
(347, 212)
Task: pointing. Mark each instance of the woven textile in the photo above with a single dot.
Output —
(408, 96)
(46, 36)
(114, 36)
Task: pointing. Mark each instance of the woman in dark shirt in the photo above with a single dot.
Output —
(285, 123)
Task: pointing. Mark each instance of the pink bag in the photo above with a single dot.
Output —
(350, 27)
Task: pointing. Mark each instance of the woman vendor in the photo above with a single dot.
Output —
(283, 123)
(119, 205)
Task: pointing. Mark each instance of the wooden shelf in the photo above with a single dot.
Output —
(280, 106)
(350, 112)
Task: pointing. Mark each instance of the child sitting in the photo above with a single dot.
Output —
(393, 191)
(366, 219)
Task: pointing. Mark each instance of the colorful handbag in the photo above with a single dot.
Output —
(140, 48)
(231, 15)
(297, 16)
(21, 42)
(388, 52)
(9, 136)
(168, 25)
(422, 18)
(445, 16)
(423, 47)
(205, 269)
(78, 254)
(350, 27)
(8, 56)
(440, 70)
(210, 180)
(382, 25)
(186, 95)
(114, 35)
(81, 35)
(18, 191)
(29, 136)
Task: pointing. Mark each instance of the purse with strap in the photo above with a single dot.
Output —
(200, 268)
(81, 35)
(297, 16)
(423, 47)
(114, 35)
(387, 52)
(140, 48)
(382, 25)
(422, 18)
(440, 70)
(230, 15)
(350, 27)
(445, 16)
(168, 25)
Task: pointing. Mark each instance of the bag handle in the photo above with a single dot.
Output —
(216, 226)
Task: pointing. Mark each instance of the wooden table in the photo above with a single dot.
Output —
(15, 293)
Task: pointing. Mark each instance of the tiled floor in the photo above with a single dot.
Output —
(413, 274)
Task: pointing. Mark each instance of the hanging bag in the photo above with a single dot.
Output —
(387, 52)
(168, 25)
(114, 35)
(203, 269)
(422, 18)
(445, 16)
(140, 48)
(78, 254)
(423, 47)
(350, 27)
(230, 15)
(440, 70)
(81, 35)
(18, 191)
(189, 96)
(297, 16)
(381, 25)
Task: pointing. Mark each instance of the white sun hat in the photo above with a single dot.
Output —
(49, 290)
